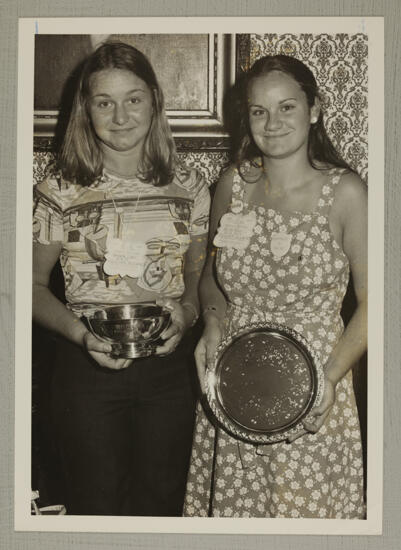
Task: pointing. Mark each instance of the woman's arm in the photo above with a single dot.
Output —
(212, 298)
(194, 263)
(184, 312)
(210, 293)
(52, 314)
(48, 311)
(352, 207)
(349, 212)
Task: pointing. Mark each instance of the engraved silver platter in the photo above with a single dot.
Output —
(264, 381)
(133, 330)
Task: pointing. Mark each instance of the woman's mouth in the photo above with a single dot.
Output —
(121, 130)
(273, 136)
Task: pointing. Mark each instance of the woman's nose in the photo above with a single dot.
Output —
(273, 121)
(120, 115)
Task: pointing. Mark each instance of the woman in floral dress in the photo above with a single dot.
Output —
(304, 215)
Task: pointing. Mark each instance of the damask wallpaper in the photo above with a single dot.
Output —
(340, 65)
(209, 163)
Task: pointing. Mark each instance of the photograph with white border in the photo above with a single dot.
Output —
(229, 103)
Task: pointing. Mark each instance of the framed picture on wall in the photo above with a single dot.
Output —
(194, 70)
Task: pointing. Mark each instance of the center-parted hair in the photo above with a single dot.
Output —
(81, 158)
(320, 148)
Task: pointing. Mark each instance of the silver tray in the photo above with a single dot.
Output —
(264, 381)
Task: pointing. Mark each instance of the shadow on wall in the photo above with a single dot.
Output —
(359, 373)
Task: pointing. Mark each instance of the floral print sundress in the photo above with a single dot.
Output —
(318, 475)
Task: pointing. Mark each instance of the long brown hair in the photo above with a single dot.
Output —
(320, 148)
(81, 159)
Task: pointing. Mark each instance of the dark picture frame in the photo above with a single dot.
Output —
(205, 66)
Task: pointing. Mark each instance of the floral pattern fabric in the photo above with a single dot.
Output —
(318, 475)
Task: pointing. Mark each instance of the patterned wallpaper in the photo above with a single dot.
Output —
(209, 163)
(339, 63)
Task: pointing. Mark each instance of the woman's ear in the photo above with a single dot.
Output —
(315, 111)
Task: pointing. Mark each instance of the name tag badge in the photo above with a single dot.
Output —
(235, 230)
(280, 243)
(124, 258)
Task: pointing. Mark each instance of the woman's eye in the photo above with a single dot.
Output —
(257, 112)
(286, 108)
(104, 104)
(134, 100)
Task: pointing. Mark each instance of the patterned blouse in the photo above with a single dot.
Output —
(123, 240)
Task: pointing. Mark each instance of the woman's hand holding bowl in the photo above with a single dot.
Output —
(101, 353)
(181, 320)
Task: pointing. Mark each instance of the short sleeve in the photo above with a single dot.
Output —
(199, 220)
(47, 212)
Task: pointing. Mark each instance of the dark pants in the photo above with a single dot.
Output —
(124, 436)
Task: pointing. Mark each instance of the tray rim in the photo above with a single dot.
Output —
(236, 429)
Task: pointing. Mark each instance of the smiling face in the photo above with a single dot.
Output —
(279, 115)
(120, 108)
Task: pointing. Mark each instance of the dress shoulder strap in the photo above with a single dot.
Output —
(328, 189)
(237, 195)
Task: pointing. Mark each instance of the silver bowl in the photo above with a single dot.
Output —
(133, 330)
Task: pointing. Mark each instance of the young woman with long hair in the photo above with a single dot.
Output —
(123, 427)
(307, 229)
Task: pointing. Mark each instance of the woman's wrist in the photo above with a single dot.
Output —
(78, 332)
(191, 313)
(211, 315)
(331, 374)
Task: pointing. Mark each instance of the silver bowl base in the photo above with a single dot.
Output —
(133, 350)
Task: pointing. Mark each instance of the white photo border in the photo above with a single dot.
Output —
(28, 27)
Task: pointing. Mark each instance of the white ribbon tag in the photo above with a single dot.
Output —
(235, 230)
(280, 243)
(124, 258)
